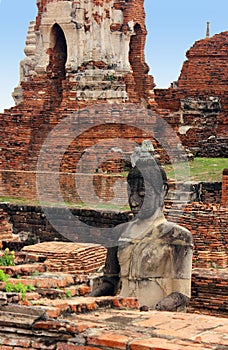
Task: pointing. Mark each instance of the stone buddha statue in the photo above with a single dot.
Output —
(153, 260)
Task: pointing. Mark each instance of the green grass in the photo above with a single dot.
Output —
(202, 169)
(78, 205)
(18, 200)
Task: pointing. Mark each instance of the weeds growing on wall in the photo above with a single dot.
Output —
(7, 259)
(16, 288)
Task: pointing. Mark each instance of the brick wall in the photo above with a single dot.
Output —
(98, 188)
(209, 291)
(203, 59)
(225, 188)
(207, 223)
(75, 188)
(25, 127)
(210, 192)
(32, 220)
(5, 227)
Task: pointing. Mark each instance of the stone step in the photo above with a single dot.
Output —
(78, 305)
(24, 269)
(115, 329)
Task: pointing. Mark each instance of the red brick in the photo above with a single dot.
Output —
(61, 346)
(82, 306)
(130, 303)
(155, 344)
(110, 340)
(83, 290)
(41, 345)
(32, 296)
(64, 346)
(16, 342)
(53, 312)
(60, 304)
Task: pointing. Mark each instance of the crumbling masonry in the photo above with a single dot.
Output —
(91, 53)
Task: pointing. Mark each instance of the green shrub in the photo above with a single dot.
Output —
(17, 288)
(7, 259)
(3, 276)
(68, 294)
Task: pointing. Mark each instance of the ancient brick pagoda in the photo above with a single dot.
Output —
(91, 53)
(83, 51)
(198, 100)
(78, 54)
(204, 74)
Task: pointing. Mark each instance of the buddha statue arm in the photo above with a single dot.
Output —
(109, 285)
(110, 279)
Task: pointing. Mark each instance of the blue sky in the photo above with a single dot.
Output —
(173, 27)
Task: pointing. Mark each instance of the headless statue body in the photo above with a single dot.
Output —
(153, 260)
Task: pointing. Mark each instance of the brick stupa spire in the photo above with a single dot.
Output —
(84, 51)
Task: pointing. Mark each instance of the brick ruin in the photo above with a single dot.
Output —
(90, 54)
(225, 188)
(67, 70)
(207, 222)
(59, 314)
(198, 99)
(78, 54)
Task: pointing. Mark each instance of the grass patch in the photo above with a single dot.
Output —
(70, 205)
(202, 169)
(18, 200)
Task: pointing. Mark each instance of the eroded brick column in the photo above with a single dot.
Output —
(225, 188)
